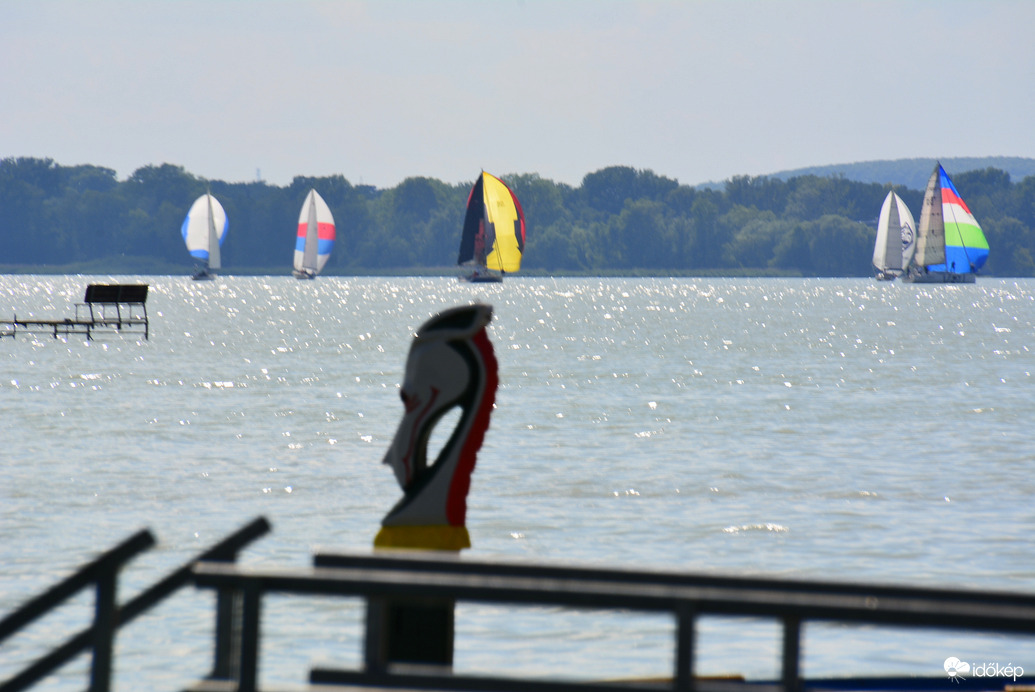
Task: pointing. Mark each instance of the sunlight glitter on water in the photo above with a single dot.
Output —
(838, 412)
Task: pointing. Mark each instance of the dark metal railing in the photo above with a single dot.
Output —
(100, 573)
(108, 615)
(402, 578)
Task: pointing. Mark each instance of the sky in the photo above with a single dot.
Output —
(379, 91)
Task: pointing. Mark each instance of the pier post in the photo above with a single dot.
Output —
(104, 631)
(417, 631)
(791, 673)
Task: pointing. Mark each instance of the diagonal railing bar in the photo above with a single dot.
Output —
(100, 636)
(86, 575)
(224, 551)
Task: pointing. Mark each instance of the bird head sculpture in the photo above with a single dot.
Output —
(451, 365)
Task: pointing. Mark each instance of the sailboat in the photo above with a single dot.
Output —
(950, 245)
(315, 238)
(493, 238)
(204, 231)
(896, 239)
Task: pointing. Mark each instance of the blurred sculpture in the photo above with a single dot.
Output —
(451, 365)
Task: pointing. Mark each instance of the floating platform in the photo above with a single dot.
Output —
(118, 307)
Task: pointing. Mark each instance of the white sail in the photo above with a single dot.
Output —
(316, 235)
(896, 237)
(930, 240)
(204, 230)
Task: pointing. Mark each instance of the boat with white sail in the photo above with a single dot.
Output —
(315, 239)
(204, 230)
(896, 239)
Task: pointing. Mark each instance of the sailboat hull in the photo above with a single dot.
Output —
(483, 276)
(935, 277)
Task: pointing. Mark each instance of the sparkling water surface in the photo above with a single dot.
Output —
(834, 429)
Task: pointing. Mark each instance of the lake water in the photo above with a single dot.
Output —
(834, 429)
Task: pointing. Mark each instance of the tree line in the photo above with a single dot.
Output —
(618, 220)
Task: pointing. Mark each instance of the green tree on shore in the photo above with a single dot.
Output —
(618, 220)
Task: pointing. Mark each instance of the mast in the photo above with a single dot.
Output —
(213, 237)
(312, 236)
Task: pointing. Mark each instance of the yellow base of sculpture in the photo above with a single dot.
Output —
(439, 537)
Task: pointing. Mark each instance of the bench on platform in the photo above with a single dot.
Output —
(128, 301)
(120, 307)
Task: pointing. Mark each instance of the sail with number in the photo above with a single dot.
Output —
(204, 230)
(315, 239)
(896, 238)
(493, 238)
(950, 246)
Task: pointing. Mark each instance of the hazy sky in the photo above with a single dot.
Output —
(381, 91)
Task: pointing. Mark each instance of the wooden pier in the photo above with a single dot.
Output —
(430, 577)
(118, 307)
(419, 577)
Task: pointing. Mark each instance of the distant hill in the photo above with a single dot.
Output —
(913, 173)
